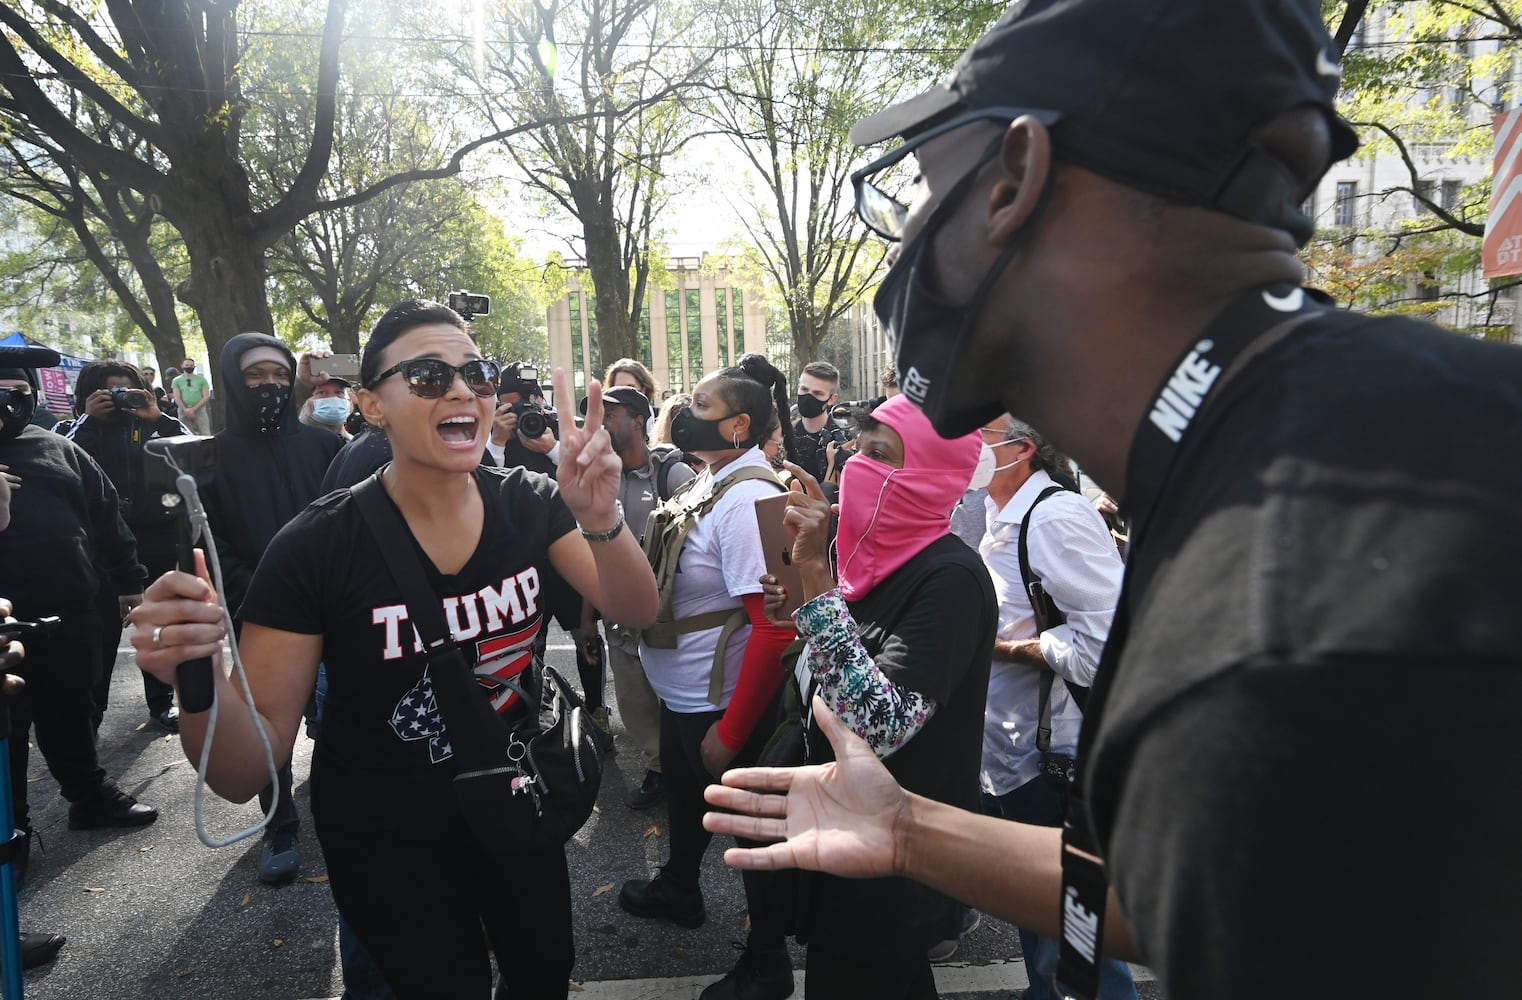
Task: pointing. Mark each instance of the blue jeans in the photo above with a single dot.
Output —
(1043, 803)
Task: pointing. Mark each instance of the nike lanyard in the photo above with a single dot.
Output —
(1251, 322)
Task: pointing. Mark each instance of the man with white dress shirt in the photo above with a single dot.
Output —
(1073, 556)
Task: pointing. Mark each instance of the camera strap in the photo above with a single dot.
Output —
(476, 733)
(1244, 329)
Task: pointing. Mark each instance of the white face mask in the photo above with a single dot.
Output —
(988, 464)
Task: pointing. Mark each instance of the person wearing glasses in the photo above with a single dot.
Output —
(269, 467)
(406, 872)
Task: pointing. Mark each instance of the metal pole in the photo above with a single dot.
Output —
(10, 914)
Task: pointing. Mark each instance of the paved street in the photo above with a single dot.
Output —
(153, 913)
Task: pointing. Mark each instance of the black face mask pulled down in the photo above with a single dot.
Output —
(929, 335)
(270, 399)
(809, 406)
(690, 433)
(17, 407)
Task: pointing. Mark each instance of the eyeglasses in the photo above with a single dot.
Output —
(884, 214)
(431, 378)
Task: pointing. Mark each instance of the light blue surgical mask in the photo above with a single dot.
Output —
(331, 411)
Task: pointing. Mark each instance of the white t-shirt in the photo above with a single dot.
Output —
(721, 562)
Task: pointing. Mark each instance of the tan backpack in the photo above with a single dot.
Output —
(665, 534)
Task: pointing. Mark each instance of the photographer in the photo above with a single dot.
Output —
(520, 411)
(121, 414)
(67, 532)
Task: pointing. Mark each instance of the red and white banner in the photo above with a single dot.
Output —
(1503, 229)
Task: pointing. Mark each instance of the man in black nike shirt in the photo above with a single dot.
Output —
(1302, 740)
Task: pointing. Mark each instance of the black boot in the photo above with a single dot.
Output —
(661, 897)
(761, 974)
(39, 948)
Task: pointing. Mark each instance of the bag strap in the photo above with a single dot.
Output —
(1047, 615)
(476, 733)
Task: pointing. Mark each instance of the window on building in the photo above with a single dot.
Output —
(594, 356)
(674, 367)
(643, 334)
(1343, 207)
(694, 317)
(576, 334)
(1421, 195)
(721, 313)
(1450, 195)
(1427, 287)
(1308, 206)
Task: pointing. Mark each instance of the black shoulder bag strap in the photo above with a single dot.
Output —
(475, 731)
(1251, 324)
(1048, 615)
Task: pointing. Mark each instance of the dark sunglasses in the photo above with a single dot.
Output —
(430, 378)
(883, 213)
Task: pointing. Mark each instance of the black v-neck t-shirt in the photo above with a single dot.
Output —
(323, 575)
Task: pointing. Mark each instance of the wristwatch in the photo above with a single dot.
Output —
(611, 533)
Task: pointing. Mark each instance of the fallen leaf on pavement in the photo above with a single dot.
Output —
(140, 727)
(654, 831)
(279, 942)
(598, 810)
(574, 988)
(246, 898)
(317, 879)
(94, 888)
(602, 889)
(145, 850)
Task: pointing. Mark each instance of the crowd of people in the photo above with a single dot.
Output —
(1181, 728)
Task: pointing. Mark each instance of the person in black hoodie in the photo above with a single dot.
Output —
(114, 431)
(65, 532)
(269, 467)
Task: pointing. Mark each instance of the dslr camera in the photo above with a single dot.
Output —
(534, 418)
(469, 304)
(126, 398)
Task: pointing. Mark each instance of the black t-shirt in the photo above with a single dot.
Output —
(323, 575)
(930, 628)
(1310, 747)
(813, 446)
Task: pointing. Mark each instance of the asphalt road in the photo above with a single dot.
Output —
(153, 913)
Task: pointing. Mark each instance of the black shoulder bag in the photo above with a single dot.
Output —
(1054, 766)
(530, 785)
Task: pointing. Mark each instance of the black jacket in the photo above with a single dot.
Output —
(263, 479)
(116, 444)
(65, 528)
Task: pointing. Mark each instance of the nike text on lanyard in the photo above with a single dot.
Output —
(1184, 394)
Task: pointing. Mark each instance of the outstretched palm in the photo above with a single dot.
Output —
(840, 818)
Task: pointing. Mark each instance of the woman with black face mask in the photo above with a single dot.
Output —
(713, 657)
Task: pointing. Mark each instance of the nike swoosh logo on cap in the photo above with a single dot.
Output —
(1285, 303)
(1325, 66)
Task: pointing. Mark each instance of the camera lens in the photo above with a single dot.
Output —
(531, 424)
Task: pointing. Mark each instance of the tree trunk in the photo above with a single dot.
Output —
(616, 335)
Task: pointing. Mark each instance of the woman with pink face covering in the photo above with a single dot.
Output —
(899, 648)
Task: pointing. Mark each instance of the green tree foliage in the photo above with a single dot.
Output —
(1422, 81)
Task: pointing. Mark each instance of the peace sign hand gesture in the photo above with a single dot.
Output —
(591, 473)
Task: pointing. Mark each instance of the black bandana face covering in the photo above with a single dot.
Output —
(928, 335)
(269, 402)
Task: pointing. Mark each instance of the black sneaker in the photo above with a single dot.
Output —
(40, 948)
(761, 974)
(662, 898)
(652, 792)
(168, 720)
(109, 806)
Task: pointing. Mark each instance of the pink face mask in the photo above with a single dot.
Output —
(887, 516)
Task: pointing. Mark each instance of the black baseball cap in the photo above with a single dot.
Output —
(23, 362)
(624, 395)
(1158, 95)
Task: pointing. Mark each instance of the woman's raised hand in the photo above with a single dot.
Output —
(591, 473)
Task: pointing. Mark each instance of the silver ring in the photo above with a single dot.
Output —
(158, 632)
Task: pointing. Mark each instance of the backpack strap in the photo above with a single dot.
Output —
(667, 455)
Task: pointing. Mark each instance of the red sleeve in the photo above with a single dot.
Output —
(760, 674)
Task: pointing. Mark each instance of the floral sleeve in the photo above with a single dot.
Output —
(876, 709)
